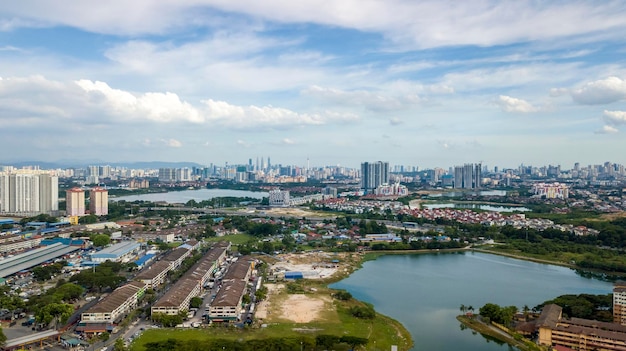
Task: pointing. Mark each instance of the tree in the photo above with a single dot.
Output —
(343, 295)
(353, 341)
(326, 341)
(3, 338)
(58, 312)
(100, 240)
(463, 308)
(119, 345)
(195, 302)
(69, 291)
(363, 312)
(89, 219)
(246, 299)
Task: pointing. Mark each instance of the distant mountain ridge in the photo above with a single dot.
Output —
(85, 164)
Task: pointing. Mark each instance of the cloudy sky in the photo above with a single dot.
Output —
(426, 83)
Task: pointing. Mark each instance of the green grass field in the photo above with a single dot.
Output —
(336, 319)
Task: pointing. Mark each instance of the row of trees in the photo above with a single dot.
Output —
(320, 342)
(105, 275)
(586, 306)
(43, 273)
(168, 320)
(494, 313)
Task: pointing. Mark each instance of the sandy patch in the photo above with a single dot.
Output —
(262, 307)
(298, 308)
(302, 308)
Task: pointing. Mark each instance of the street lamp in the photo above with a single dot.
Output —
(300, 345)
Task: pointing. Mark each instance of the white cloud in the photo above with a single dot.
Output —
(395, 121)
(526, 75)
(427, 23)
(558, 92)
(607, 130)
(602, 91)
(288, 141)
(172, 143)
(615, 117)
(362, 98)
(94, 102)
(247, 117)
(243, 143)
(511, 104)
(158, 107)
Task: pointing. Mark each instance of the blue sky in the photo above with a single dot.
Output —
(426, 83)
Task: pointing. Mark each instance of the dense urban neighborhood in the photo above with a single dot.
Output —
(100, 271)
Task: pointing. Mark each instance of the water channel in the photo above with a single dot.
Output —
(472, 206)
(425, 291)
(197, 195)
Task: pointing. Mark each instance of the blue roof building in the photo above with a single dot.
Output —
(122, 252)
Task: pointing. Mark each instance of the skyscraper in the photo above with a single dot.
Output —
(374, 174)
(29, 193)
(99, 201)
(75, 202)
(468, 176)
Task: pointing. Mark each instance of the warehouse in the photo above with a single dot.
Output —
(123, 252)
(178, 297)
(226, 307)
(155, 274)
(33, 258)
(112, 308)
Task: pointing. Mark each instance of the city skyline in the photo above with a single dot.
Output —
(425, 83)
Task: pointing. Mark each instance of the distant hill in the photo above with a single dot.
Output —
(85, 164)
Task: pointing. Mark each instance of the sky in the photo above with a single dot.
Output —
(337, 82)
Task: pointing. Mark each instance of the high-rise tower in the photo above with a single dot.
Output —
(99, 201)
(75, 202)
(374, 174)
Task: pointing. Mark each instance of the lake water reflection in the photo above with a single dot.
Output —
(424, 292)
(197, 195)
(478, 206)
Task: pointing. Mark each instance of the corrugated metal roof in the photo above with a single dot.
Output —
(33, 258)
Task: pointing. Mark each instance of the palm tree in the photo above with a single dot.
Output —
(463, 308)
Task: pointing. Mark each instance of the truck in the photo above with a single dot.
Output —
(30, 321)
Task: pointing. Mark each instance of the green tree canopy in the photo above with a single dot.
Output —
(58, 312)
(3, 338)
(195, 302)
(100, 240)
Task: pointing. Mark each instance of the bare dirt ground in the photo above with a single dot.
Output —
(301, 308)
(298, 308)
(612, 216)
(313, 265)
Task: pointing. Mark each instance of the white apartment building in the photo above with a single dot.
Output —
(27, 192)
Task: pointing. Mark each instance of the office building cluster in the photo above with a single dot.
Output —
(468, 176)
(374, 174)
(28, 192)
(551, 190)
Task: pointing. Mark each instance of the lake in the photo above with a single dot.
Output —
(424, 292)
(197, 195)
(476, 193)
(478, 207)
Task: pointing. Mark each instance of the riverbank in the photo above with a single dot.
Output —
(492, 331)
